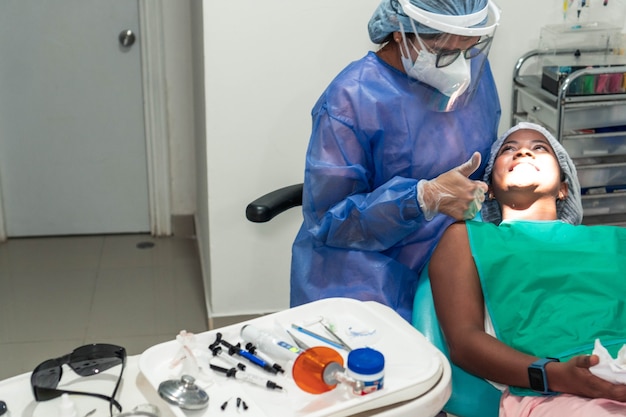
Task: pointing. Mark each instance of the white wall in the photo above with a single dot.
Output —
(266, 63)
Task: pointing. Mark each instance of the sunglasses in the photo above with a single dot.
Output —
(85, 361)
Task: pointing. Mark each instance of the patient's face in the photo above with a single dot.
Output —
(526, 162)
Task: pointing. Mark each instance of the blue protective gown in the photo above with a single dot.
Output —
(373, 138)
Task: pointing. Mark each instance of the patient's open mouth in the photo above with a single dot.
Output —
(523, 165)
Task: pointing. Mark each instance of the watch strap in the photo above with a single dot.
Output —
(538, 377)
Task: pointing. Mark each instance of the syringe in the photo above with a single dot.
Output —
(217, 351)
(243, 376)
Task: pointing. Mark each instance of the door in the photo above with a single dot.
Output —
(72, 135)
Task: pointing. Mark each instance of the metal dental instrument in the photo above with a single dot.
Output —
(319, 337)
(297, 341)
(336, 336)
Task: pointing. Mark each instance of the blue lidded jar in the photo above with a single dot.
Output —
(366, 366)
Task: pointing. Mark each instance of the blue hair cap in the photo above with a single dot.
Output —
(388, 16)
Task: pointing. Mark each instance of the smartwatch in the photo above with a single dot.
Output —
(537, 376)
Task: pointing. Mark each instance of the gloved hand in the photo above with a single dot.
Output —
(452, 192)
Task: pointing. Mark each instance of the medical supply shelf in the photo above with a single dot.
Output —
(590, 125)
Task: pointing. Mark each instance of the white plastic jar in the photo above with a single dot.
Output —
(366, 366)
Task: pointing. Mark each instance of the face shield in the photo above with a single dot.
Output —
(446, 54)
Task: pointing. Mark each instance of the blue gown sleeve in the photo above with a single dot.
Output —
(342, 204)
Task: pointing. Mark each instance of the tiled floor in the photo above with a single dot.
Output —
(58, 293)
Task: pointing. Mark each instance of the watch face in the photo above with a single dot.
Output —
(535, 375)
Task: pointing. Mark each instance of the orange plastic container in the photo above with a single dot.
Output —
(314, 368)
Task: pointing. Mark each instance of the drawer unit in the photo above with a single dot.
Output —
(603, 204)
(592, 114)
(537, 109)
(594, 145)
(602, 176)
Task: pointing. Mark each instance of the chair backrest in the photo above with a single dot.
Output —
(471, 396)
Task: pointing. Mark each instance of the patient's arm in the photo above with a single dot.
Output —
(460, 309)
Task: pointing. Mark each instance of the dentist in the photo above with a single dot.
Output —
(395, 152)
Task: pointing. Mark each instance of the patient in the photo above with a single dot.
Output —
(548, 286)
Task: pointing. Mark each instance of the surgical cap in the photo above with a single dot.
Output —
(569, 210)
(389, 15)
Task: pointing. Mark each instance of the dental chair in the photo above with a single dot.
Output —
(471, 396)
